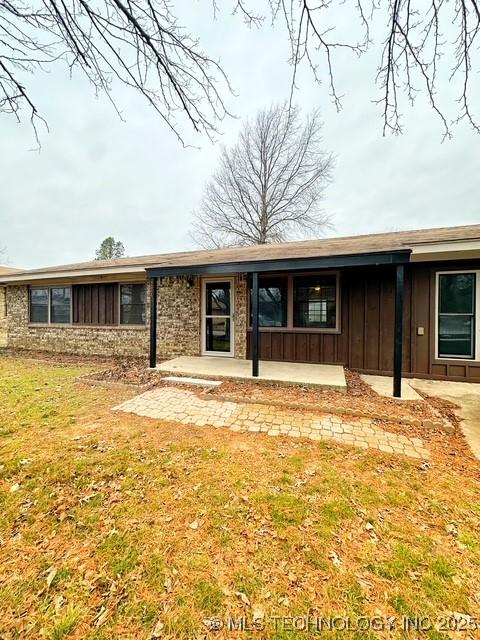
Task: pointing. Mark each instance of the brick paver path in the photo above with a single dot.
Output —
(178, 405)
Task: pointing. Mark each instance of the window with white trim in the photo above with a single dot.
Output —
(457, 315)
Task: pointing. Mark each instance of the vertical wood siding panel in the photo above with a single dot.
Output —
(407, 323)
(314, 351)
(420, 318)
(301, 347)
(357, 323)
(372, 323)
(328, 343)
(388, 319)
(288, 347)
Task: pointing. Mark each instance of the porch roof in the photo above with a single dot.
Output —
(283, 264)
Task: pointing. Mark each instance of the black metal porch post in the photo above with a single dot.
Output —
(398, 334)
(255, 333)
(153, 323)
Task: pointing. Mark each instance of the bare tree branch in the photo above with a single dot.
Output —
(428, 44)
(136, 42)
(269, 186)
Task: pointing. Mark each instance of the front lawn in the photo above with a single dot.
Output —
(116, 526)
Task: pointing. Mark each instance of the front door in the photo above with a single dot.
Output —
(217, 317)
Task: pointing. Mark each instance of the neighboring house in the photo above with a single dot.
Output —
(334, 301)
(4, 271)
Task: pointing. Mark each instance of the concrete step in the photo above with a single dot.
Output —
(199, 382)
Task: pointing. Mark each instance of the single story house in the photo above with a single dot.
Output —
(404, 303)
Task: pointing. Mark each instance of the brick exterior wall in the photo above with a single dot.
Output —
(3, 317)
(240, 316)
(108, 341)
(178, 325)
(179, 310)
(178, 317)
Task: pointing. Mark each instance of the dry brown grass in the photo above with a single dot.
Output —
(121, 524)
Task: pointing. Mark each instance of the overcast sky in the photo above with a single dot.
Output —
(97, 176)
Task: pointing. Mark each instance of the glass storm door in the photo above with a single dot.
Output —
(218, 309)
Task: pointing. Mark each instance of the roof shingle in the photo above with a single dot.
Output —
(350, 245)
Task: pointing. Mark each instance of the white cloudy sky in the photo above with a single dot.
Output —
(97, 176)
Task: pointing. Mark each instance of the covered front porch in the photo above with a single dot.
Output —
(324, 375)
(315, 332)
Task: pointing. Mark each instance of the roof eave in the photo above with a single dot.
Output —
(285, 264)
(74, 273)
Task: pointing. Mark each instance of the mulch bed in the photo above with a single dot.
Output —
(359, 396)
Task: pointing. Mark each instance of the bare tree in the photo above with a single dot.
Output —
(427, 45)
(269, 186)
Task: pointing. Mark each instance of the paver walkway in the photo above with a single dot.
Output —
(178, 405)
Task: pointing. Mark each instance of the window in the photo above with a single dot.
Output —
(456, 315)
(60, 298)
(39, 305)
(315, 301)
(272, 302)
(50, 305)
(132, 304)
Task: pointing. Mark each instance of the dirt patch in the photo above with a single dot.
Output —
(60, 358)
(359, 397)
(127, 371)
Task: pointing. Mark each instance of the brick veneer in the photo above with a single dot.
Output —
(108, 341)
(179, 317)
(3, 317)
(178, 325)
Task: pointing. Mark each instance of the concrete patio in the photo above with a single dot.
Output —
(324, 375)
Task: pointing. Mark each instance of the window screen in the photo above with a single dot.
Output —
(132, 304)
(272, 302)
(39, 305)
(315, 301)
(60, 305)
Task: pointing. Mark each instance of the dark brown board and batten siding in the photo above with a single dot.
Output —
(95, 304)
(365, 341)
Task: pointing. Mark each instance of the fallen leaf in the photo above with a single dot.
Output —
(101, 616)
(59, 603)
(157, 630)
(243, 597)
(52, 572)
(213, 624)
(258, 614)
(334, 558)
